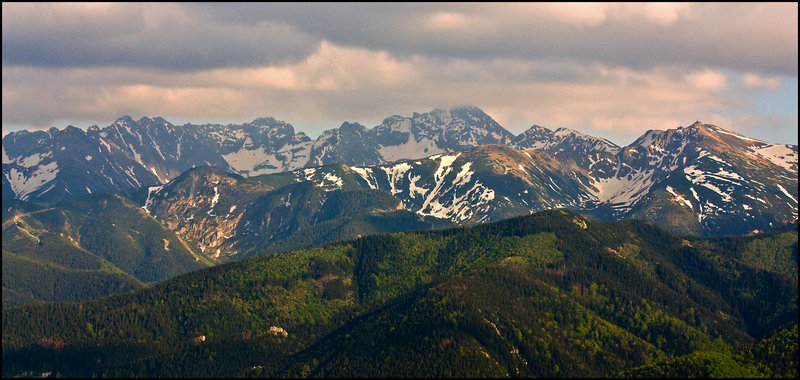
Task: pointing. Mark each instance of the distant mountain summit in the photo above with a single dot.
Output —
(458, 165)
(704, 178)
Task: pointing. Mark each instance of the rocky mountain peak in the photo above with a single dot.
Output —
(348, 128)
(468, 111)
(264, 121)
(199, 179)
(124, 119)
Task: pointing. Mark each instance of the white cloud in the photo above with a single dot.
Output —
(709, 80)
(758, 82)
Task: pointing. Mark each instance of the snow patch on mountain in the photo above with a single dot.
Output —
(781, 155)
(309, 173)
(394, 174)
(215, 199)
(414, 190)
(755, 199)
(738, 136)
(245, 160)
(431, 206)
(23, 184)
(158, 148)
(129, 172)
(622, 192)
(701, 178)
(694, 194)
(444, 166)
(34, 159)
(410, 149)
(457, 200)
(366, 174)
(150, 192)
(679, 198)
(155, 173)
(725, 196)
(136, 155)
(334, 180)
(786, 192)
(464, 175)
(296, 154)
(105, 144)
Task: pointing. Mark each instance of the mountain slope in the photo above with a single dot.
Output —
(551, 294)
(228, 215)
(85, 248)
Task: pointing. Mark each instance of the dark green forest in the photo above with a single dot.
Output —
(552, 294)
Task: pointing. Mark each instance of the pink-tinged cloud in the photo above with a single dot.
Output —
(759, 82)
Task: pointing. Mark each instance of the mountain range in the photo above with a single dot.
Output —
(433, 245)
(53, 165)
(698, 179)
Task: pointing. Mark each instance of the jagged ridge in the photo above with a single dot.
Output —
(698, 179)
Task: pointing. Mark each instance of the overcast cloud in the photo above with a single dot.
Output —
(610, 70)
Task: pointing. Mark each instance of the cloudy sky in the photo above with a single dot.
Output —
(612, 70)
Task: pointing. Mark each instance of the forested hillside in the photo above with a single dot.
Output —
(85, 248)
(551, 294)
